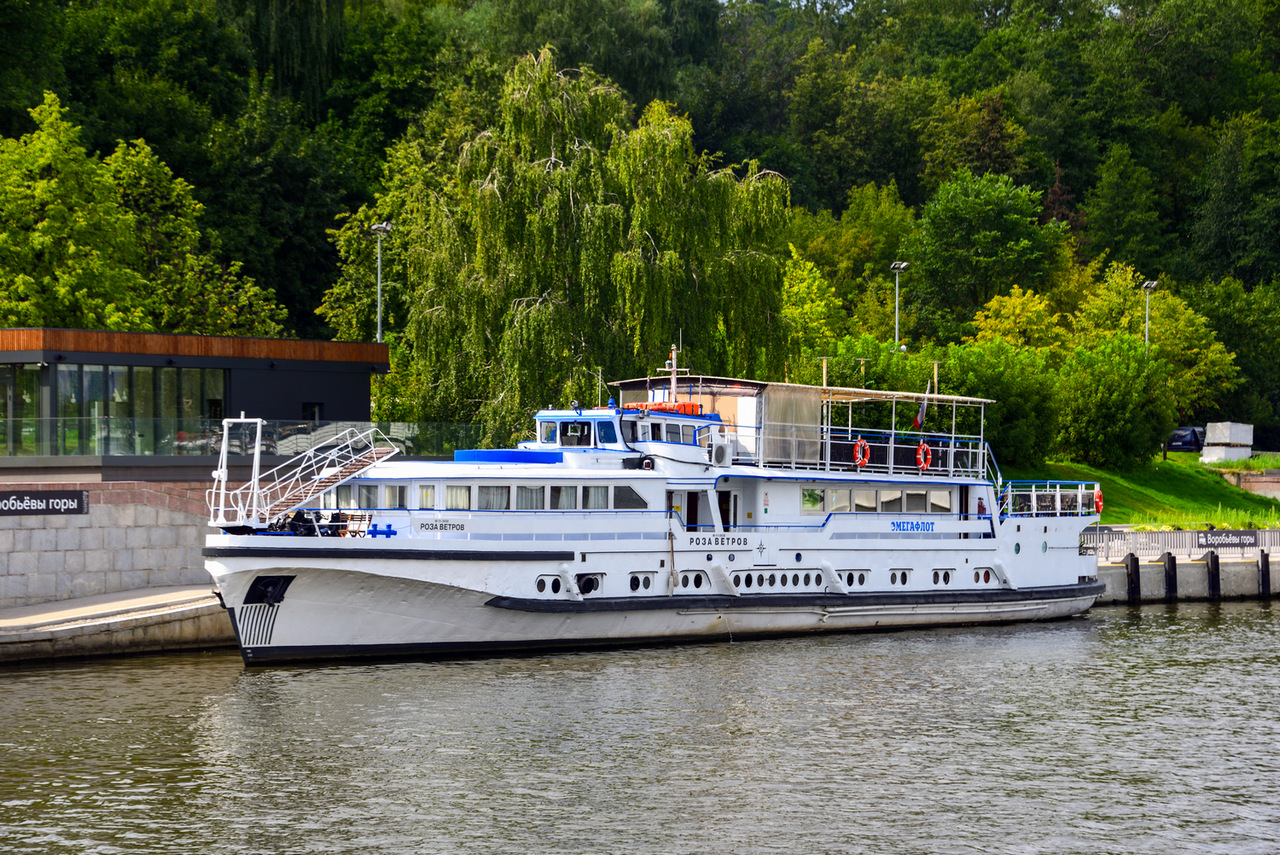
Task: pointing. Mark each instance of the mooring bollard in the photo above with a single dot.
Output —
(1215, 576)
(1170, 577)
(1264, 574)
(1133, 577)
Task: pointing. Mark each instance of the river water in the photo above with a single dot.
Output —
(1129, 730)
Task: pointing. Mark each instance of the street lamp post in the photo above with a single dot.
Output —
(897, 267)
(380, 229)
(1148, 286)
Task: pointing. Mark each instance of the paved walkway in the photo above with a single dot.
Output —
(90, 609)
(154, 619)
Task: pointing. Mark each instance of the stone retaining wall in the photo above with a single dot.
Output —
(137, 534)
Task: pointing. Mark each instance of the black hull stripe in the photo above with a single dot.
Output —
(752, 602)
(385, 554)
(308, 654)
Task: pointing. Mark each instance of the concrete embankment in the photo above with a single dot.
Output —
(148, 621)
(121, 574)
(1172, 579)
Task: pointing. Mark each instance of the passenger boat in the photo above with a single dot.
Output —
(692, 508)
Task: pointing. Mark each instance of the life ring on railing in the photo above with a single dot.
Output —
(1097, 500)
(861, 452)
(924, 455)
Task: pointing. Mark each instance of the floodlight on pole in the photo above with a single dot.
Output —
(1148, 286)
(380, 229)
(897, 267)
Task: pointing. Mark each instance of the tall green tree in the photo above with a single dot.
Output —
(1200, 372)
(1120, 212)
(112, 244)
(559, 239)
(1114, 409)
(978, 237)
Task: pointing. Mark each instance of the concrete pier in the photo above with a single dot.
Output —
(1174, 579)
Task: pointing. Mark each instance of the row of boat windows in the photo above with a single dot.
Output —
(843, 501)
(488, 497)
(577, 434)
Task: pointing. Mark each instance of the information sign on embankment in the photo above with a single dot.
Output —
(22, 503)
(1236, 539)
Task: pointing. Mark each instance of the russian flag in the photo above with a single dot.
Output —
(919, 421)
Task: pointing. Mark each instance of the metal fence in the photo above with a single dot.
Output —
(1114, 545)
(112, 437)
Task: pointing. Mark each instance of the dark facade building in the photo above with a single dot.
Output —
(79, 392)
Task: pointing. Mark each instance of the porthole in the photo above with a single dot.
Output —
(806, 579)
(542, 585)
(772, 580)
(737, 580)
(730, 556)
(797, 556)
(555, 586)
(904, 577)
(708, 556)
(795, 579)
(850, 578)
(936, 578)
(748, 580)
(976, 577)
(697, 580)
(986, 575)
(684, 580)
(635, 583)
(946, 578)
(1044, 547)
(893, 578)
(760, 580)
(862, 578)
(646, 583)
(1017, 547)
(784, 580)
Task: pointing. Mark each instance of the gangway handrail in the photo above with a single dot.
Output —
(257, 503)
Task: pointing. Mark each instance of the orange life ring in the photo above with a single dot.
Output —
(924, 455)
(861, 452)
(1097, 500)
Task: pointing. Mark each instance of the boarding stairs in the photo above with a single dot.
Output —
(269, 496)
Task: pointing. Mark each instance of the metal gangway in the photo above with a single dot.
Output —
(268, 496)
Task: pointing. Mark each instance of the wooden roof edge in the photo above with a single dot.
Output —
(185, 344)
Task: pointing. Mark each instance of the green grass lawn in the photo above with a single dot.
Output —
(1178, 492)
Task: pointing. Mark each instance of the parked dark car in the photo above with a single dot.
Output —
(1187, 439)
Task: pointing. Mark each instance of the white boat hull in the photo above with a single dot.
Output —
(357, 607)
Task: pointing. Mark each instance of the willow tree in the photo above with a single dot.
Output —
(558, 242)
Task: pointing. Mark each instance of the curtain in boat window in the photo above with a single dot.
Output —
(426, 496)
(530, 498)
(457, 497)
(595, 498)
(493, 498)
(564, 498)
